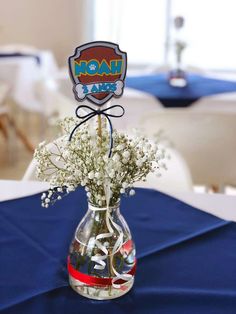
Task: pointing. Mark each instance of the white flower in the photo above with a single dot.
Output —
(84, 137)
(77, 173)
(120, 147)
(126, 154)
(131, 192)
(71, 188)
(112, 173)
(105, 158)
(144, 159)
(42, 144)
(91, 175)
(66, 154)
(84, 162)
(139, 162)
(116, 157)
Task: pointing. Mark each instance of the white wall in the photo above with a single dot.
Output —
(46, 24)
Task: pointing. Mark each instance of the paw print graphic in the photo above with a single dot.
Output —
(92, 67)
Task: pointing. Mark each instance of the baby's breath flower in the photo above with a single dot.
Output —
(84, 162)
(131, 192)
(126, 154)
(139, 162)
(116, 157)
(91, 175)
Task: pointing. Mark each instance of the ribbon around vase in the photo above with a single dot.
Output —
(100, 259)
(92, 280)
(93, 113)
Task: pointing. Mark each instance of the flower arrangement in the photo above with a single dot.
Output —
(84, 161)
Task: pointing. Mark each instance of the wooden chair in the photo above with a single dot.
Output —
(7, 121)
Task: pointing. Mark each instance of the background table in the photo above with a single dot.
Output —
(198, 86)
(186, 258)
(137, 103)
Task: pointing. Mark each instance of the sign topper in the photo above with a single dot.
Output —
(98, 72)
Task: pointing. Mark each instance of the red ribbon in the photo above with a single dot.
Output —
(91, 280)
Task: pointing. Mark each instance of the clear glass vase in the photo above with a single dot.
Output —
(101, 261)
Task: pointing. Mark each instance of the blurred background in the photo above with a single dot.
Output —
(181, 80)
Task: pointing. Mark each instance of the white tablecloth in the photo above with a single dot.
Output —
(220, 205)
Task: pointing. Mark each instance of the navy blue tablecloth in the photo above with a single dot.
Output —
(198, 86)
(186, 258)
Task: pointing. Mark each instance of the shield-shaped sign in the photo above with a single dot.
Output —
(98, 72)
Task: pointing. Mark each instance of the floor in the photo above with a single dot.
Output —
(14, 156)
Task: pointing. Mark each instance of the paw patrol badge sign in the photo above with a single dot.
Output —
(98, 72)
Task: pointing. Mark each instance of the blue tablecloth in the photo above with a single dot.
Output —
(186, 258)
(20, 54)
(198, 86)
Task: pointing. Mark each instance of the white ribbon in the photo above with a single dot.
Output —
(100, 259)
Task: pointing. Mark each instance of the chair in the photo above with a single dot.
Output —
(177, 177)
(4, 89)
(7, 121)
(56, 105)
(207, 141)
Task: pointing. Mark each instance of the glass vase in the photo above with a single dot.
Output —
(101, 260)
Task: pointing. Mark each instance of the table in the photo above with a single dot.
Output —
(186, 257)
(198, 86)
(137, 103)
